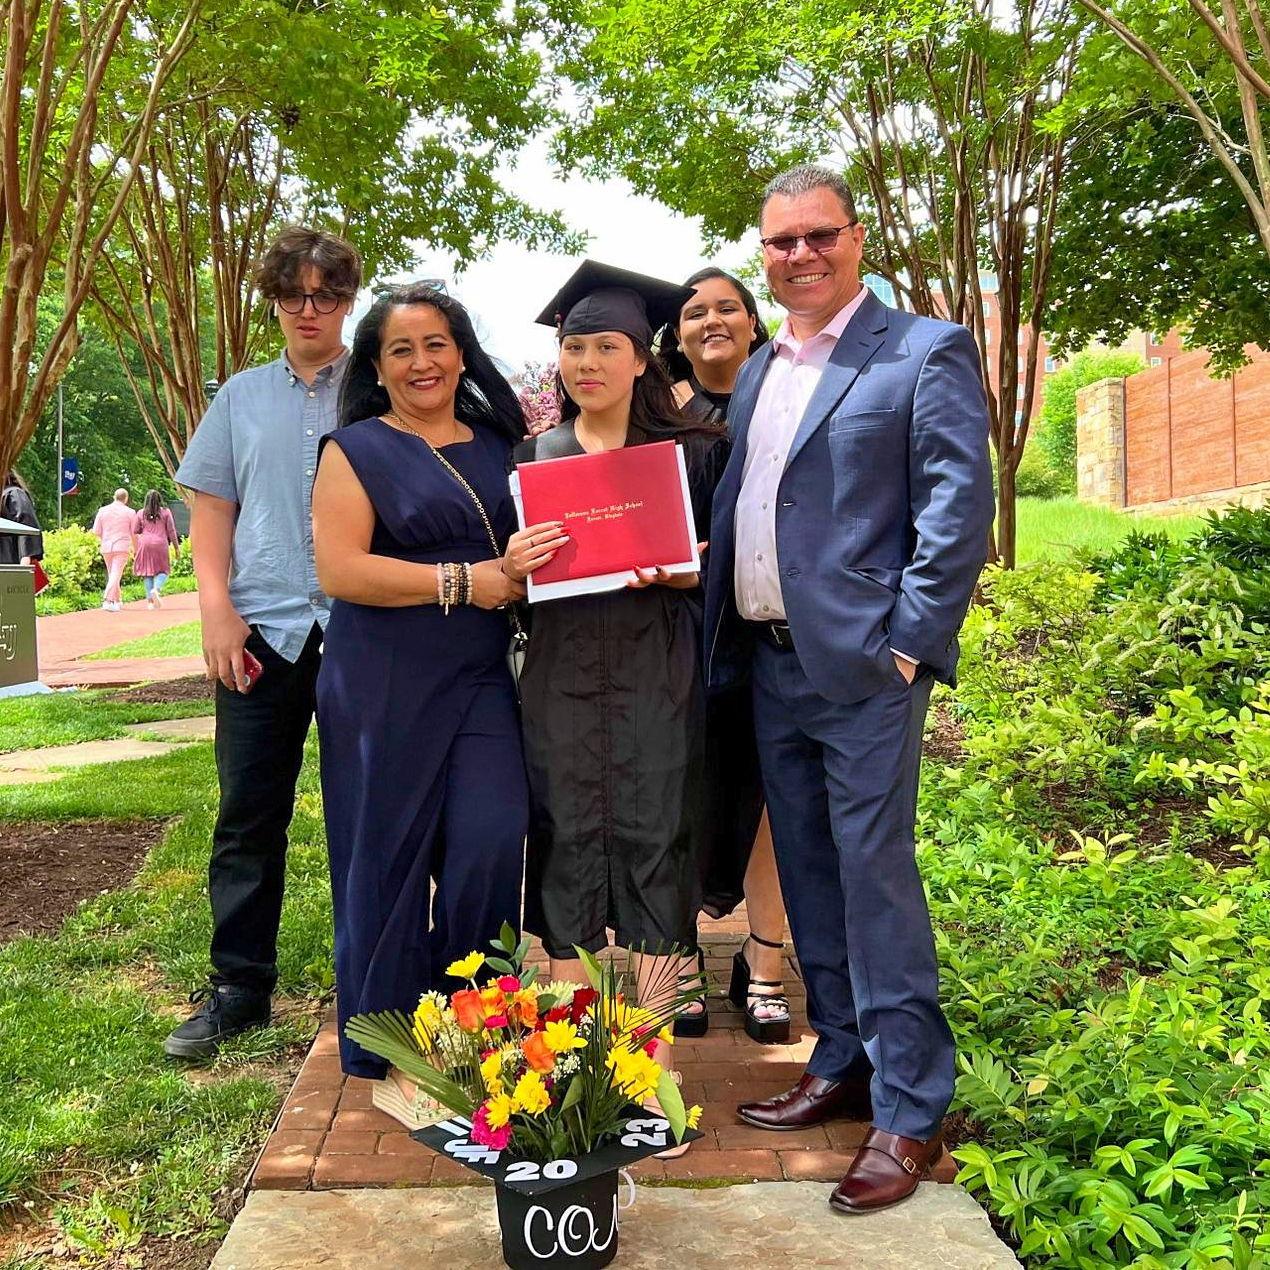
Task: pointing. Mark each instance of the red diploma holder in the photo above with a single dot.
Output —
(622, 509)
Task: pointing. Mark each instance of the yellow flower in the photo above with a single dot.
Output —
(466, 967)
(530, 1094)
(694, 1117)
(492, 1073)
(634, 1073)
(498, 1111)
(562, 1037)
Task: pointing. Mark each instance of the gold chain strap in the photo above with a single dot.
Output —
(476, 502)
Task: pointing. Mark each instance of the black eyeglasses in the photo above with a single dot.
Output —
(817, 240)
(322, 301)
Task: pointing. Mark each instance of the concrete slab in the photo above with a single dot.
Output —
(764, 1225)
(23, 766)
(200, 727)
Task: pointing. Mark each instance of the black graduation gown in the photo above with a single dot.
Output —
(615, 739)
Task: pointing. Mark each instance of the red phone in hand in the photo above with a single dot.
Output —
(252, 670)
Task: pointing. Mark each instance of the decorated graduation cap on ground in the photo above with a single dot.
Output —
(600, 297)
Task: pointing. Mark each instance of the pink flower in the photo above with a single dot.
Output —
(484, 1136)
(496, 1020)
(509, 983)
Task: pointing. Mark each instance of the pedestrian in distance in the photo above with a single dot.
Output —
(113, 526)
(155, 533)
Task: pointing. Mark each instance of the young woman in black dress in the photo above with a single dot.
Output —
(704, 348)
(613, 702)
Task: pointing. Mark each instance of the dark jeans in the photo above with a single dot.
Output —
(259, 749)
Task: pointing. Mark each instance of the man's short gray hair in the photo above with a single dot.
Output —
(804, 179)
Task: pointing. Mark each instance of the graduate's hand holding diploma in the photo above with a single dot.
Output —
(680, 581)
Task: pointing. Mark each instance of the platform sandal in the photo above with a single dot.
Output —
(694, 1018)
(751, 995)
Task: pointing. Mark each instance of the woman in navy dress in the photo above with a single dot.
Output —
(423, 777)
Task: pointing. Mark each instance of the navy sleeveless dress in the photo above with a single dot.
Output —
(423, 777)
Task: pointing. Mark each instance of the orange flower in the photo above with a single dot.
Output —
(537, 1053)
(527, 1006)
(492, 998)
(469, 1013)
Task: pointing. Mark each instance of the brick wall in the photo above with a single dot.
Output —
(1187, 440)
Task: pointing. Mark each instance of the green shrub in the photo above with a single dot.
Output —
(73, 562)
(1035, 477)
(1099, 872)
(182, 561)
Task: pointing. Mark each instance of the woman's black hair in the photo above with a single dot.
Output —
(653, 406)
(483, 399)
(152, 507)
(668, 349)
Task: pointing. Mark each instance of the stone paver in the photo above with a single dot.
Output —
(64, 639)
(329, 1135)
(25, 766)
(198, 727)
(765, 1226)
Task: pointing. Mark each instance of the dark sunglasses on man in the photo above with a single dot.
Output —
(818, 240)
(323, 301)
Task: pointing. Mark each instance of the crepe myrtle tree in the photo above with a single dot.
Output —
(81, 88)
(943, 114)
(388, 130)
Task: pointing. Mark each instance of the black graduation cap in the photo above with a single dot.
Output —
(602, 298)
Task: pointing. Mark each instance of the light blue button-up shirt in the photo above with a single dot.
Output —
(257, 446)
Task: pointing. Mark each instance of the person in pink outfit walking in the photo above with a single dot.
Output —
(155, 531)
(113, 525)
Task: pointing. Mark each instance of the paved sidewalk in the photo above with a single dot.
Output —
(64, 639)
(329, 1136)
(768, 1226)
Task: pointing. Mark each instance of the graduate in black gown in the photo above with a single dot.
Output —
(612, 695)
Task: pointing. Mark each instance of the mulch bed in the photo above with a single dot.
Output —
(48, 868)
(191, 688)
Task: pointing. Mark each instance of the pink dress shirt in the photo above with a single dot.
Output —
(792, 376)
(113, 526)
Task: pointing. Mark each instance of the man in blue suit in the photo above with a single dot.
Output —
(848, 532)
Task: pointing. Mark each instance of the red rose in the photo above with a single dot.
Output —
(583, 999)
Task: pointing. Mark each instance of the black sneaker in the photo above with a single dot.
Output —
(223, 1011)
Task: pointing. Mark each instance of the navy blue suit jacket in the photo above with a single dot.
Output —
(883, 509)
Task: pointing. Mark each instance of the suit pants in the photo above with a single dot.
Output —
(841, 786)
(259, 751)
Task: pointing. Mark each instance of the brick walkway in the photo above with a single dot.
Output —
(63, 639)
(328, 1134)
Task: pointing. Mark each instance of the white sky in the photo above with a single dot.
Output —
(506, 292)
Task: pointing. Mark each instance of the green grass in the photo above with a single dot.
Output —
(96, 1127)
(63, 718)
(1053, 528)
(185, 640)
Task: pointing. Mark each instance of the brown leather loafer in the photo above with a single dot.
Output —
(811, 1102)
(886, 1169)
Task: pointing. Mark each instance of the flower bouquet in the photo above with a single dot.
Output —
(546, 1086)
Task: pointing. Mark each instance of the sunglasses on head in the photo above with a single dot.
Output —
(817, 240)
